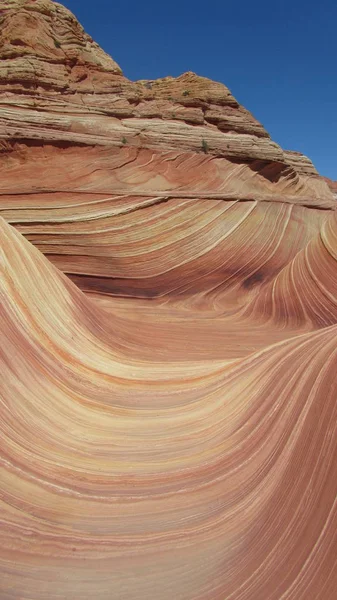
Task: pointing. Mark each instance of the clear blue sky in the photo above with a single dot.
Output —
(277, 57)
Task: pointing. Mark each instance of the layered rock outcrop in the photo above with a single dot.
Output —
(139, 440)
(168, 285)
(56, 84)
(332, 185)
(73, 126)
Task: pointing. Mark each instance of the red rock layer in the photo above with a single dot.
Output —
(169, 429)
(83, 144)
(57, 85)
(332, 185)
(140, 222)
(129, 474)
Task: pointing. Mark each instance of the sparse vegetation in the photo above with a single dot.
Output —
(186, 93)
(204, 146)
(174, 115)
(124, 140)
(57, 44)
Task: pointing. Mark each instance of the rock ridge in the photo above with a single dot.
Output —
(57, 84)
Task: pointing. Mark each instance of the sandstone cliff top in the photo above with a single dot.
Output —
(53, 75)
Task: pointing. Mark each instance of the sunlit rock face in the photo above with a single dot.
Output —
(332, 185)
(168, 331)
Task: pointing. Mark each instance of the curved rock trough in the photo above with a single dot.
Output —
(168, 329)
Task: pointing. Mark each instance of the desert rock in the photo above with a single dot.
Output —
(168, 335)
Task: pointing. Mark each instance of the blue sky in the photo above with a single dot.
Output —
(277, 57)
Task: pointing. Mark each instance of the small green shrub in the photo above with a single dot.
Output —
(57, 44)
(204, 146)
(186, 93)
(124, 140)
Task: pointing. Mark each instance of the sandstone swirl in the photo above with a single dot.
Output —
(168, 329)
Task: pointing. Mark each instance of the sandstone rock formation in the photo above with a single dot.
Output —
(57, 85)
(168, 329)
(332, 185)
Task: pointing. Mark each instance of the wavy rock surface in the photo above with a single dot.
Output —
(332, 185)
(134, 473)
(168, 330)
(82, 144)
